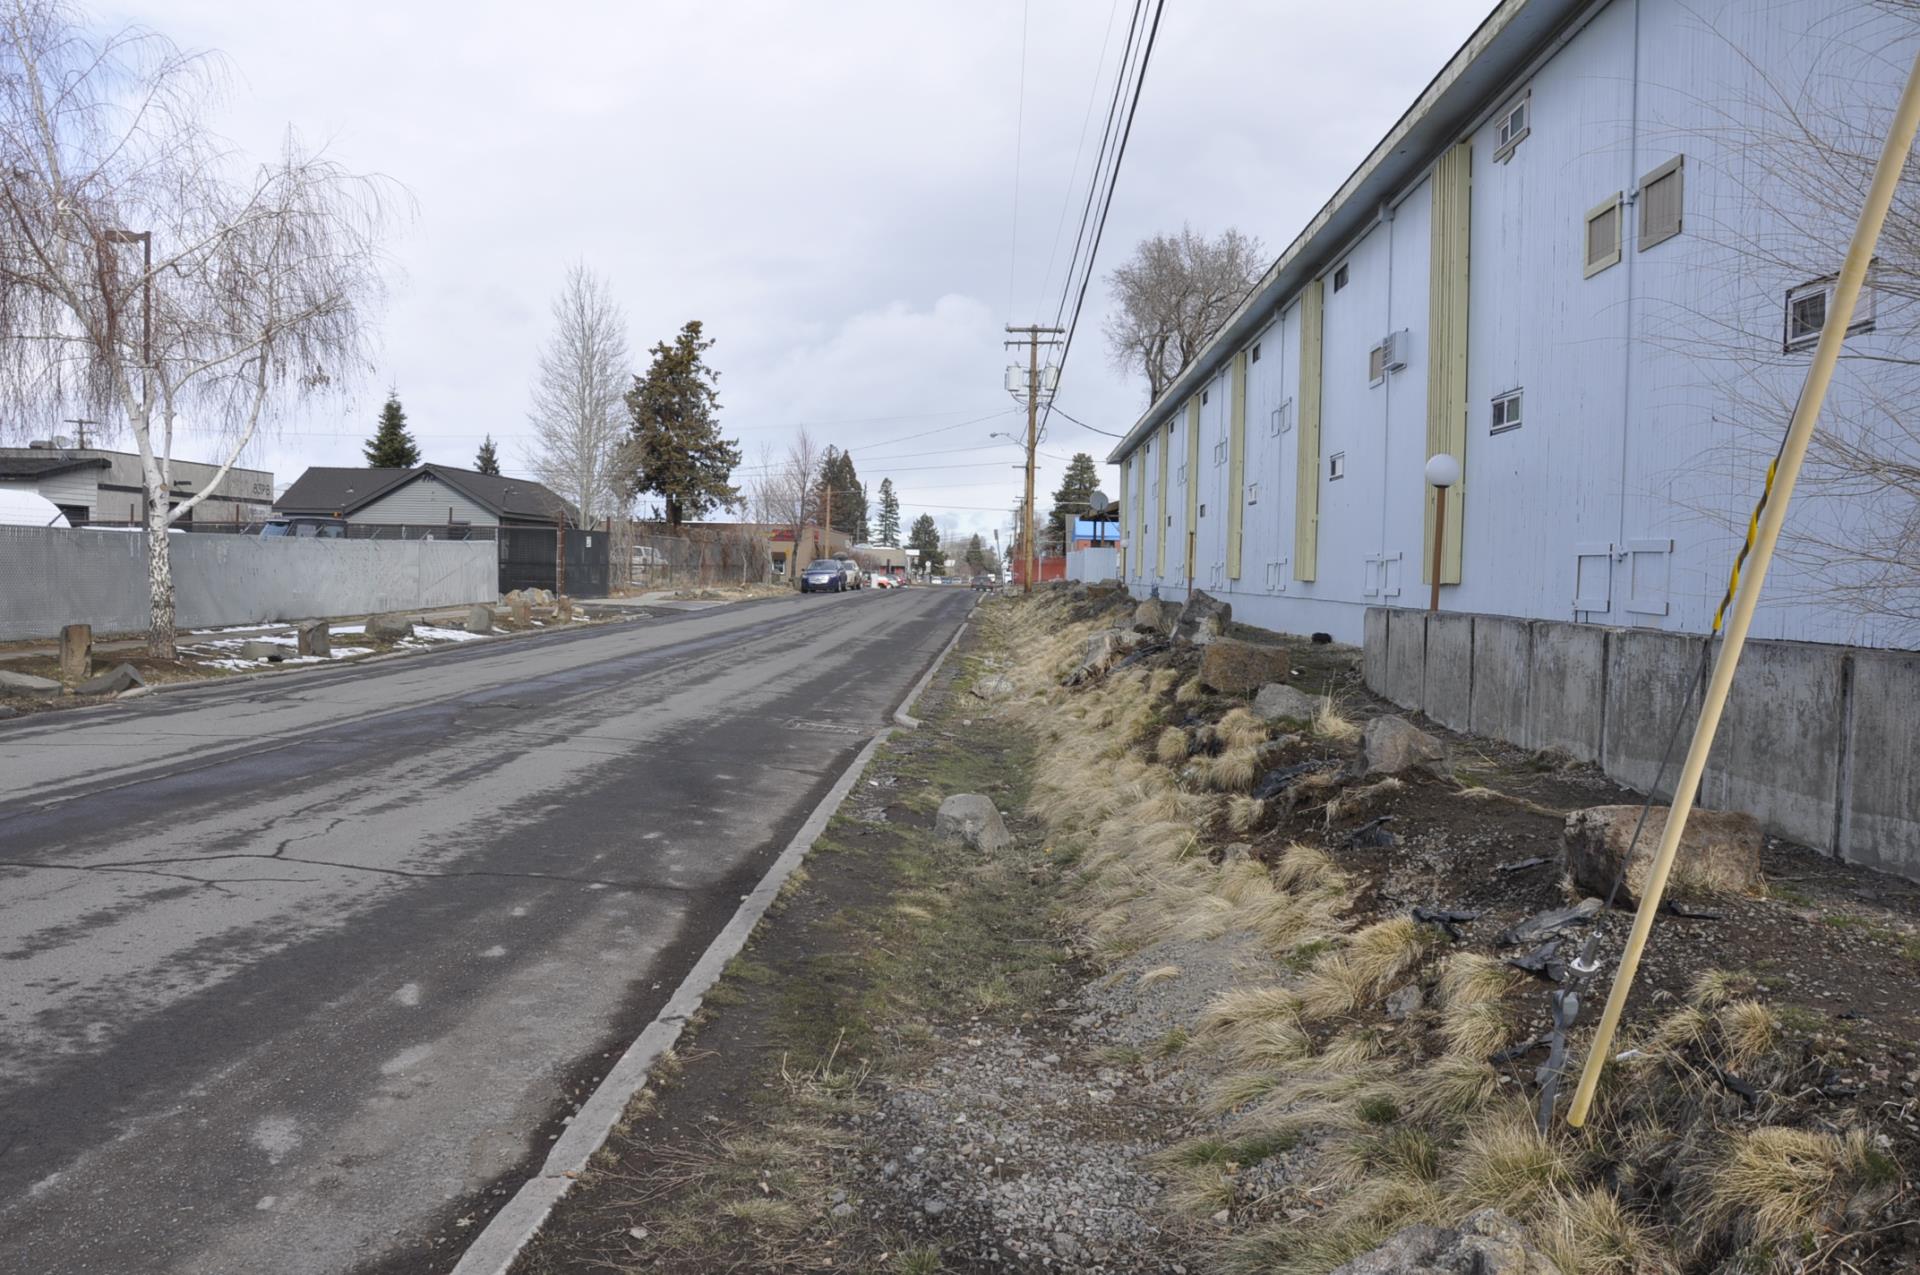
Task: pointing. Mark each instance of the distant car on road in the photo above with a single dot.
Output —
(983, 582)
(823, 575)
(856, 579)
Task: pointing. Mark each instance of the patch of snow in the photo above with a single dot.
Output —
(409, 994)
(406, 1060)
(277, 1136)
(423, 633)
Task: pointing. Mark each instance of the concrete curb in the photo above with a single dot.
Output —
(494, 1250)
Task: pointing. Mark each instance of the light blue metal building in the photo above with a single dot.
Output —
(1588, 262)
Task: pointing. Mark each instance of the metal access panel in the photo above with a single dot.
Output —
(1593, 577)
(1649, 564)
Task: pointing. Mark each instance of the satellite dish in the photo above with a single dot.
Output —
(62, 442)
(1098, 502)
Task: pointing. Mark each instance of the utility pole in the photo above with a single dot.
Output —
(1033, 334)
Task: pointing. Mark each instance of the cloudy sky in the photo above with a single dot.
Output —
(831, 187)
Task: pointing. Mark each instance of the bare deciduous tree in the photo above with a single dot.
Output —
(785, 493)
(142, 269)
(1173, 295)
(579, 417)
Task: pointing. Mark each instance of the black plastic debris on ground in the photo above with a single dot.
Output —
(1446, 919)
(1545, 925)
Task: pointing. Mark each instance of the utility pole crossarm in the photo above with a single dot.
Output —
(1033, 333)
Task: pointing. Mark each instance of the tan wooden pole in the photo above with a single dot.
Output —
(1439, 539)
(1846, 292)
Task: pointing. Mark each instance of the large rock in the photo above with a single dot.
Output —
(123, 677)
(389, 628)
(1276, 702)
(27, 684)
(314, 638)
(1239, 668)
(1203, 619)
(76, 653)
(1394, 746)
(1719, 852)
(519, 609)
(480, 618)
(271, 651)
(994, 686)
(1102, 649)
(1156, 616)
(974, 819)
(1487, 1243)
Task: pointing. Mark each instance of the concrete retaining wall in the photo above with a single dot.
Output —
(52, 576)
(1818, 742)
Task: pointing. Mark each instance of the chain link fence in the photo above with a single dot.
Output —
(652, 558)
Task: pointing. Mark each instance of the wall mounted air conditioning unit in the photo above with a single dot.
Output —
(1394, 350)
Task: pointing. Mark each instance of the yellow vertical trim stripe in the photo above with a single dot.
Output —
(1193, 485)
(1160, 513)
(1126, 516)
(1237, 466)
(1306, 505)
(1447, 366)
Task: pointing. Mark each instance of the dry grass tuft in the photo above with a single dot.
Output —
(1244, 1006)
(1476, 1019)
(1190, 691)
(1159, 974)
(1172, 747)
(1748, 1029)
(1363, 803)
(1330, 724)
(1304, 867)
(1714, 988)
(1373, 958)
(1452, 1086)
(1780, 1184)
(1244, 813)
(1266, 1042)
(1232, 771)
(1503, 1162)
(1589, 1233)
(1242, 728)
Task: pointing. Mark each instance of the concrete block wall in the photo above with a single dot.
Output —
(51, 576)
(1818, 742)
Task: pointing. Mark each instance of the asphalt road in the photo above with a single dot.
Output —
(289, 968)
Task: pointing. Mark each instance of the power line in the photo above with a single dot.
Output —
(1080, 146)
(1094, 177)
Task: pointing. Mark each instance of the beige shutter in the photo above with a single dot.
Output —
(1306, 505)
(1236, 466)
(1662, 200)
(1447, 368)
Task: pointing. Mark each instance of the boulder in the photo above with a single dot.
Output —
(1278, 703)
(76, 653)
(1403, 1002)
(1394, 745)
(563, 610)
(1486, 1243)
(1719, 852)
(8, 710)
(314, 638)
(994, 686)
(974, 819)
(389, 627)
(1155, 616)
(1203, 619)
(519, 609)
(1102, 649)
(122, 677)
(27, 684)
(1234, 667)
(271, 651)
(480, 618)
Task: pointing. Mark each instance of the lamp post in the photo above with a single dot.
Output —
(1443, 471)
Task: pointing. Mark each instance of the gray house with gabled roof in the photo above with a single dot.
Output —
(424, 496)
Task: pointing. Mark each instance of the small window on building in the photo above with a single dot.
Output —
(1376, 365)
(1180, 476)
(1253, 493)
(1203, 398)
(1203, 511)
(1336, 467)
(1603, 236)
(1506, 412)
(1220, 452)
(1253, 355)
(1511, 129)
(1282, 418)
(1807, 307)
(1340, 277)
(1661, 202)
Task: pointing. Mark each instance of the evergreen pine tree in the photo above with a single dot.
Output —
(488, 461)
(677, 452)
(849, 497)
(392, 446)
(977, 553)
(926, 538)
(889, 525)
(1069, 502)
